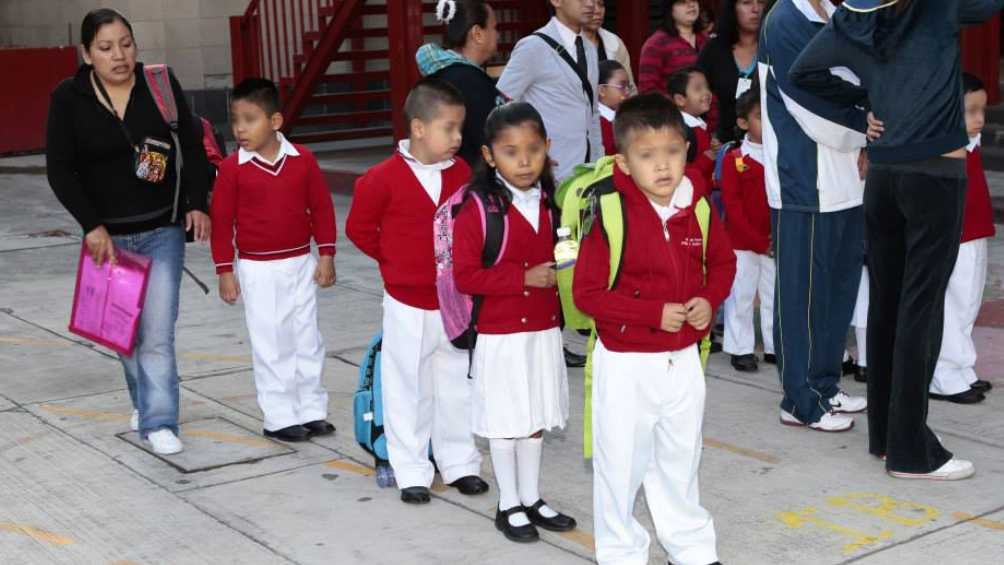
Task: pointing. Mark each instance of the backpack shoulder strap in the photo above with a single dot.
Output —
(614, 222)
(495, 225)
(158, 81)
(563, 53)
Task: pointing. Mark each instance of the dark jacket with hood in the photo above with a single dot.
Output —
(908, 60)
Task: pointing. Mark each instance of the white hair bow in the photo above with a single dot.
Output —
(446, 10)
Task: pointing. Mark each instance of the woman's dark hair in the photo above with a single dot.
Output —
(469, 13)
(97, 19)
(727, 26)
(513, 114)
(607, 70)
(669, 25)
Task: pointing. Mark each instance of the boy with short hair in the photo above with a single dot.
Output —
(648, 387)
(955, 379)
(691, 94)
(744, 194)
(426, 392)
(271, 194)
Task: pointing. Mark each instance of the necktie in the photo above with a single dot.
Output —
(580, 55)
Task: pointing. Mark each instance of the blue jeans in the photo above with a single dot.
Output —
(151, 372)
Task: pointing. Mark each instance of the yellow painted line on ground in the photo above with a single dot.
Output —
(35, 533)
(859, 539)
(231, 438)
(744, 451)
(991, 524)
(19, 340)
(195, 356)
(581, 537)
(346, 465)
(88, 414)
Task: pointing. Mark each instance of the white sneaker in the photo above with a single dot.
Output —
(830, 422)
(844, 403)
(134, 421)
(953, 470)
(164, 442)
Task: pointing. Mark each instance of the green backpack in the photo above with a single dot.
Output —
(586, 194)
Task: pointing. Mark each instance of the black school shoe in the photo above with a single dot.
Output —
(559, 523)
(519, 534)
(861, 374)
(744, 363)
(320, 427)
(971, 396)
(982, 386)
(574, 360)
(770, 358)
(290, 433)
(415, 495)
(470, 485)
(849, 366)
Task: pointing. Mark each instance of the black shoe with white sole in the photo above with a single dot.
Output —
(971, 396)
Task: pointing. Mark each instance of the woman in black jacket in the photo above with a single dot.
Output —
(111, 162)
(906, 55)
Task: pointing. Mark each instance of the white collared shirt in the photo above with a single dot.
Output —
(568, 37)
(606, 112)
(682, 199)
(974, 142)
(809, 12)
(285, 149)
(527, 202)
(693, 121)
(752, 150)
(429, 176)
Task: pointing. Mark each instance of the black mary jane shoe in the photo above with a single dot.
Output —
(744, 363)
(971, 396)
(848, 367)
(320, 427)
(574, 360)
(861, 374)
(290, 433)
(770, 358)
(518, 534)
(415, 495)
(470, 485)
(982, 386)
(559, 523)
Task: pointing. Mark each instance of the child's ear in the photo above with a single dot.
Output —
(486, 153)
(417, 128)
(743, 124)
(621, 161)
(680, 100)
(277, 121)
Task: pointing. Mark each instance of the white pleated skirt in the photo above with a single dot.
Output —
(520, 384)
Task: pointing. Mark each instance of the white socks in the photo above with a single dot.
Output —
(504, 462)
(861, 335)
(528, 452)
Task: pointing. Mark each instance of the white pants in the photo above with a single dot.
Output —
(648, 410)
(426, 396)
(955, 372)
(860, 319)
(754, 274)
(280, 305)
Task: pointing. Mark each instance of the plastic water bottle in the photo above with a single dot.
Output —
(566, 251)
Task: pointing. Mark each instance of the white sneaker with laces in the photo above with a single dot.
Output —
(134, 421)
(830, 422)
(953, 470)
(844, 403)
(164, 442)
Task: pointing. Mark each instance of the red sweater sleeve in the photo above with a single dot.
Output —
(650, 68)
(223, 213)
(369, 201)
(589, 288)
(732, 198)
(322, 211)
(503, 279)
(721, 264)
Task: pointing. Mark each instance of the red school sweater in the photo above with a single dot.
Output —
(653, 272)
(273, 209)
(609, 143)
(744, 193)
(391, 221)
(978, 221)
(509, 306)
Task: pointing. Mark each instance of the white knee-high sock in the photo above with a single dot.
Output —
(528, 454)
(504, 463)
(861, 334)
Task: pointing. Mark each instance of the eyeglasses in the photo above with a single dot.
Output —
(624, 88)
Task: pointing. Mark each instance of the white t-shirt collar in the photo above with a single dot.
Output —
(694, 121)
(404, 147)
(285, 148)
(974, 142)
(567, 36)
(752, 150)
(607, 113)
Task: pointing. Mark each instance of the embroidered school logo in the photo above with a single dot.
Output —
(692, 242)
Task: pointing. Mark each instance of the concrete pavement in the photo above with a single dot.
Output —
(76, 487)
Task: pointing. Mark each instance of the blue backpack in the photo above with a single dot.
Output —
(367, 403)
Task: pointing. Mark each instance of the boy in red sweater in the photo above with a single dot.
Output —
(955, 379)
(648, 382)
(692, 96)
(272, 195)
(748, 225)
(426, 392)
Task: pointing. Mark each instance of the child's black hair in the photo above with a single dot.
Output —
(607, 70)
(484, 179)
(745, 105)
(97, 19)
(651, 111)
(258, 91)
(469, 13)
(426, 98)
(677, 82)
(971, 83)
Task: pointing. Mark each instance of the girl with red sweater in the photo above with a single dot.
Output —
(518, 368)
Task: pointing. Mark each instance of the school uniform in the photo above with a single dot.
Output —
(955, 372)
(272, 209)
(702, 164)
(648, 384)
(426, 396)
(607, 115)
(518, 370)
(748, 225)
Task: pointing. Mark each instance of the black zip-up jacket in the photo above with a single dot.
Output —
(909, 65)
(90, 162)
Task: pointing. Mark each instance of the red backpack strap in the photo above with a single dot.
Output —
(158, 80)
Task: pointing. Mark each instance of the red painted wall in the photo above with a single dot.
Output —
(24, 102)
(981, 48)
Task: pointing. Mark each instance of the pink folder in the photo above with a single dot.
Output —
(108, 300)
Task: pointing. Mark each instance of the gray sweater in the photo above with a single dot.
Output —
(538, 75)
